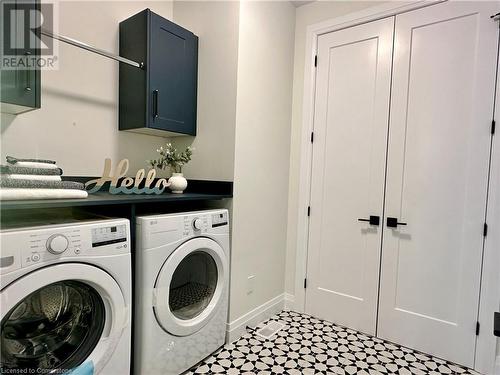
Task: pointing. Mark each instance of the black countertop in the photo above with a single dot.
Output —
(101, 199)
(198, 190)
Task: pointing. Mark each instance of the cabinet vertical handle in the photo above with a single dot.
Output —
(155, 103)
(28, 74)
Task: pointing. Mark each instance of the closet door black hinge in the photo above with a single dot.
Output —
(305, 283)
(493, 126)
(308, 210)
(485, 230)
(478, 326)
(315, 60)
(312, 137)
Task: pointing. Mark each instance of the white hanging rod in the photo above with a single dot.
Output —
(84, 46)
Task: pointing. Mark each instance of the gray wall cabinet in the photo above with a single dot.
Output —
(20, 88)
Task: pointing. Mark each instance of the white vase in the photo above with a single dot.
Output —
(177, 183)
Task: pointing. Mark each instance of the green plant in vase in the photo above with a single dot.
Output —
(174, 160)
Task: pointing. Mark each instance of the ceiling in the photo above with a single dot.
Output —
(300, 3)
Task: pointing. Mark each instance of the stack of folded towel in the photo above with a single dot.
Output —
(36, 179)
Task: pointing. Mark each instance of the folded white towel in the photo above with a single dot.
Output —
(8, 194)
(35, 177)
(31, 164)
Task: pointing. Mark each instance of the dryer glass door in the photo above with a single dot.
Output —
(191, 286)
(58, 317)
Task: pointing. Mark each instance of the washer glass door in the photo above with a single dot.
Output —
(190, 286)
(58, 317)
(56, 326)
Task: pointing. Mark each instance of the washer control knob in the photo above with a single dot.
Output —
(57, 244)
(197, 224)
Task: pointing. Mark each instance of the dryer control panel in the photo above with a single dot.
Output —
(158, 230)
(25, 247)
(204, 222)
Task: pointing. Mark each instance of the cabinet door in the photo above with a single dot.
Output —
(350, 139)
(20, 88)
(437, 173)
(173, 70)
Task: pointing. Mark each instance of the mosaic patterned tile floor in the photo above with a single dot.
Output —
(311, 346)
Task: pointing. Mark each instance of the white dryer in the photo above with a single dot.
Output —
(65, 297)
(182, 280)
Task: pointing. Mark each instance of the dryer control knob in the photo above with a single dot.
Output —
(57, 244)
(197, 224)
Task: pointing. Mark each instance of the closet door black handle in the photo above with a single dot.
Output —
(393, 222)
(373, 220)
(155, 103)
(496, 324)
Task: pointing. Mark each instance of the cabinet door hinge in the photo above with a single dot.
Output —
(316, 60)
(305, 283)
(485, 230)
(308, 210)
(493, 126)
(478, 326)
(312, 137)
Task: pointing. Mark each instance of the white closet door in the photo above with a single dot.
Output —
(439, 141)
(351, 120)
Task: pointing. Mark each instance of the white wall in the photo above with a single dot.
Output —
(78, 122)
(306, 15)
(244, 97)
(265, 65)
(216, 24)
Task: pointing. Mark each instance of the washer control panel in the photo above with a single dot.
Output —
(107, 235)
(57, 244)
(51, 244)
(197, 224)
(220, 219)
(35, 245)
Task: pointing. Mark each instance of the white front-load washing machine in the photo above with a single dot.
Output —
(65, 297)
(182, 280)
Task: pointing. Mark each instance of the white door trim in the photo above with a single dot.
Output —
(490, 283)
(490, 289)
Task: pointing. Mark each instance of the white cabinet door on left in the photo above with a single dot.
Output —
(351, 119)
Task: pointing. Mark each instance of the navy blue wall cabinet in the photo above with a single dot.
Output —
(20, 88)
(161, 98)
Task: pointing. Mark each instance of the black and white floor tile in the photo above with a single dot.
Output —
(311, 346)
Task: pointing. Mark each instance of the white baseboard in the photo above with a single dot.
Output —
(289, 301)
(237, 327)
